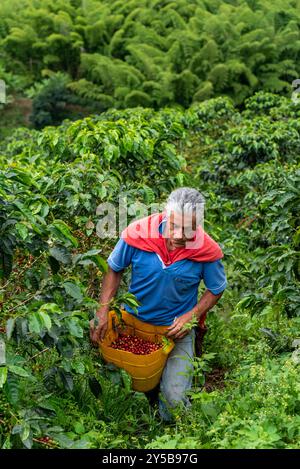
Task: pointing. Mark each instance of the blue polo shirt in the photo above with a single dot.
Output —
(165, 292)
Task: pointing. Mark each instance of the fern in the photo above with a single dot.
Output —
(160, 90)
(238, 70)
(113, 23)
(139, 15)
(275, 85)
(138, 98)
(99, 69)
(173, 19)
(205, 91)
(185, 85)
(235, 46)
(175, 57)
(86, 89)
(210, 52)
(120, 94)
(150, 38)
(117, 45)
(19, 41)
(128, 75)
(219, 77)
(153, 53)
(142, 61)
(281, 19)
(97, 35)
(189, 43)
(216, 28)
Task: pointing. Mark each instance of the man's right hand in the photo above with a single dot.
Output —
(98, 333)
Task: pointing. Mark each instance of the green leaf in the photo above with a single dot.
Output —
(63, 232)
(27, 443)
(50, 308)
(29, 216)
(100, 263)
(16, 429)
(73, 290)
(45, 318)
(78, 367)
(23, 177)
(39, 320)
(3, 375)
(25, 431)
(35, 325)
(127, 380)
(17, 370)
(22, 230)
(66, 379)
(61, 254)
(94, 257)
(12, 388)
(243, 302)
(75, 328)
(79, 428)
(296, 237)
(267, 310)
(7, 443)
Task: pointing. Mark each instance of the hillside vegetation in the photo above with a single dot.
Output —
(56, 391)
(73, 57)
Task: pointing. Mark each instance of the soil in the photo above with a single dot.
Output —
(215, 380)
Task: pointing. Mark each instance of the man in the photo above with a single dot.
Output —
(170, 254)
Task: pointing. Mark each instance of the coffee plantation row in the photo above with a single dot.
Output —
(55, 389)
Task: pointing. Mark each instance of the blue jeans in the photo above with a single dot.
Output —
(177, 376)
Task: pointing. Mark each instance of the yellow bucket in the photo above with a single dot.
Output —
(145, 370)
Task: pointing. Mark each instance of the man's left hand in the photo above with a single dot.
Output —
(175, 330)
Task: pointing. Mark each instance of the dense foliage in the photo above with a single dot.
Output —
(98, 54)
(246, 163)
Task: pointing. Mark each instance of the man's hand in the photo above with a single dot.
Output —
(207, 301)
(175, 330)
(97, 333)
(110, 285)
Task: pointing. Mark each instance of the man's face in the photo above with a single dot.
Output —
(180, 228)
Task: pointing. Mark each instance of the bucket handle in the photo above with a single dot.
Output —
(111, 320)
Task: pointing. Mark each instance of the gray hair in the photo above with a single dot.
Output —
(186, 200)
